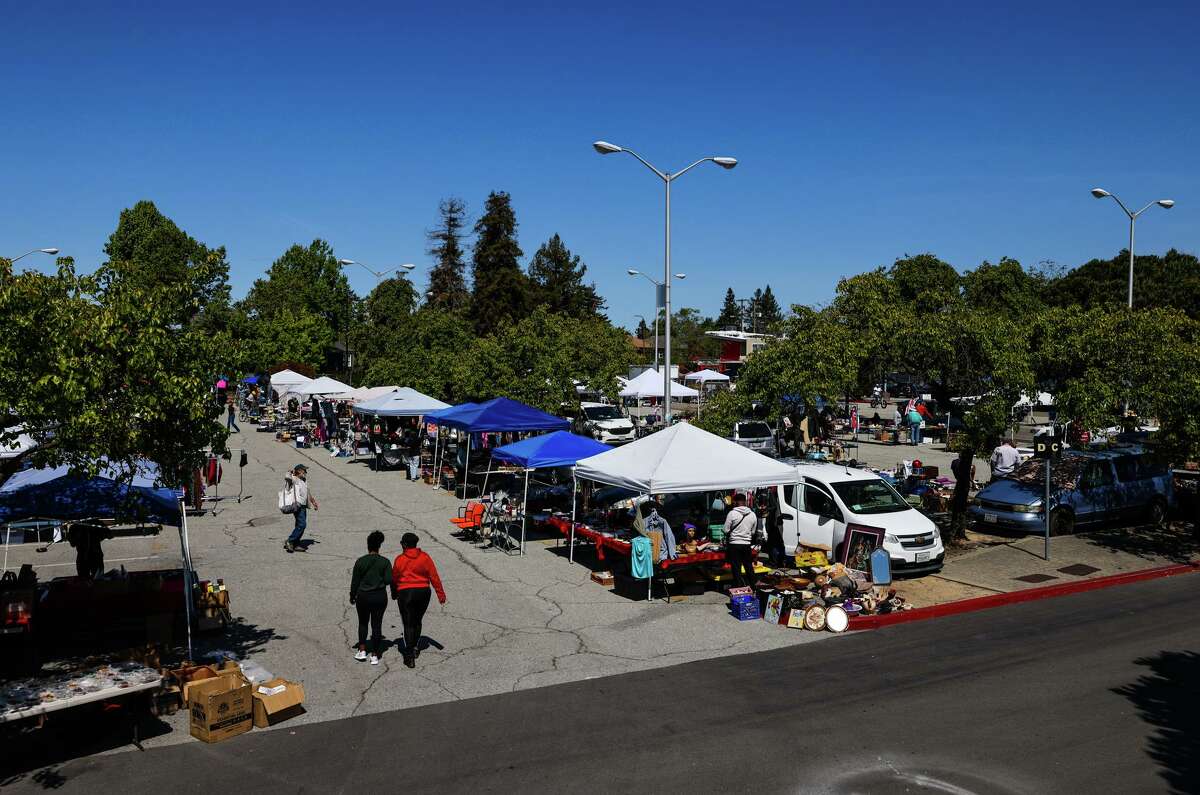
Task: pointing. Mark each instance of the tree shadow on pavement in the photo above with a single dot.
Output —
(240, 638)
(1168, 698)
(1175, 541)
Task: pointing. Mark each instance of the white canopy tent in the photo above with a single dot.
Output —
(706, 376)
(322, 386)
(402, 402)
(285, 380)
(682, 459)
(18, 446)
(650, 384)
(364, 393)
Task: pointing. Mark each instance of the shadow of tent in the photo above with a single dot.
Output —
(1167, 697)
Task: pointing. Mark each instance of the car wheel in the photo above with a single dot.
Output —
(1156, 514)
(1062, 523)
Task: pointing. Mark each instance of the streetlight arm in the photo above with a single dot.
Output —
(645, 163)
(26, 254)
(680, 173)
(1113, 196)
(650, 279)
(1144, 209)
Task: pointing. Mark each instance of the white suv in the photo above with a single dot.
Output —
(604, 423)
(831, 500)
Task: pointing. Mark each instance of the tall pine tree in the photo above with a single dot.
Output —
(643, 331)
(501, 289)
(556, 281)
(731, 313)
(769, 307)
(754, 318)
(447, 282)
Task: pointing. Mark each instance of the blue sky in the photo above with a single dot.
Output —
(970, 130)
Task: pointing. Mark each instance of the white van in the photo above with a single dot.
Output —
(833, 499)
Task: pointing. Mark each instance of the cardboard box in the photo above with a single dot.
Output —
(276, 701)
(220, 708)
(604, 578)
(194, 676)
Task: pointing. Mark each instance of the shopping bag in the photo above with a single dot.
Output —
(287, 500)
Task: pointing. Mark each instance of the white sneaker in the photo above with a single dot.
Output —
(361, 655)
(374, 660)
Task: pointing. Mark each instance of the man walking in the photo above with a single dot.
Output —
(1004, 459)
(231, 416)
(298, 481)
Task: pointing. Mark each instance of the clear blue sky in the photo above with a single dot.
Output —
(970, 130)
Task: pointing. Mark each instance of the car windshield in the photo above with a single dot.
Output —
(753, 430)
(870, 496)
(602, 413)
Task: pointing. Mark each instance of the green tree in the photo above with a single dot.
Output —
(556, 281)
(1169, 281)
(643, 331)
(152, 249)
(381, 324)
(926, 283)
(501, 290)
(432, 355)
(689, 342)
(447, 281)
(731, 312)
(768, 307)
(1004, 287)
(304, 280)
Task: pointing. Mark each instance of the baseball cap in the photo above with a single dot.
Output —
(300, 466)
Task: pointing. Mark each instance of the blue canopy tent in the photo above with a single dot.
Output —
(250, 379)
(438, 417)
(498, 415)
(61, 494)
(557, 449)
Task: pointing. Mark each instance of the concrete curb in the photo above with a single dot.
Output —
(1015, 597)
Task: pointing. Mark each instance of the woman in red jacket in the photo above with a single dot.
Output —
(412, 574)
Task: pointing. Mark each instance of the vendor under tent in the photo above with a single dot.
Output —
(284, 381)
(58, 493)
(438, 418)
(548, 451)
(495, 416)
(678, 460)
(650, 385)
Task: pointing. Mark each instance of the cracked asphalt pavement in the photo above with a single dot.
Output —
(510, 622)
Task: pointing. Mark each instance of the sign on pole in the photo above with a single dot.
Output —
(1047, 447)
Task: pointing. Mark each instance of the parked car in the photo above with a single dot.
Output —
(1087, 487)
(604, 423)
(755, 435)
(831, 500)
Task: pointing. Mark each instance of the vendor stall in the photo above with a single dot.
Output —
(400, 402)
(285, 381)
(551, 450)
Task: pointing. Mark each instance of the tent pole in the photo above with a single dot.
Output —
(187, 575)
(467, 467)
(437, 457)
(574, 496)
(524, 511)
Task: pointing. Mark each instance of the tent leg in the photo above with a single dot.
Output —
(467, 467)
(524, 511)
(187, 576)
(437, 459)
(574, 495)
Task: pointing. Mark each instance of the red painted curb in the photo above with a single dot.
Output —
(1015, 597)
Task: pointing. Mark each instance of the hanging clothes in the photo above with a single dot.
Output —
(657, 524)
(641, 565)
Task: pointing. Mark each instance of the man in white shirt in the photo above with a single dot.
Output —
(740, 525)
(297, 480)
(1004, 459)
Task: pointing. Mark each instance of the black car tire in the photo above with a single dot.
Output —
(1062, 523)
(1156, 513)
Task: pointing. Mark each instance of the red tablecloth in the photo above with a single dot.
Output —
(622, 547)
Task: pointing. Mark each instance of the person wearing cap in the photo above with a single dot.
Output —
(297, 480)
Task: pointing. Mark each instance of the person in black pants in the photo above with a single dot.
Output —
(369, 585)
(740, 526)
(412, 575)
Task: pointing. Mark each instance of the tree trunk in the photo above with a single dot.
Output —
(962, 491)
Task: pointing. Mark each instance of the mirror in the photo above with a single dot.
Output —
(881, 567)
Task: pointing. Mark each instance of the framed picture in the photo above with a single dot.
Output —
(860, 543)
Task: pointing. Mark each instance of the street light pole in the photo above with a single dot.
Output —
(605, 148)
(1166, 204)
(50, 251)
(658, 286)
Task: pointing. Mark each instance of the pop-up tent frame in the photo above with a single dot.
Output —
(57, 493)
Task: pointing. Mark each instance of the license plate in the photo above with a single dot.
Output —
(922, 556)
(991, 517)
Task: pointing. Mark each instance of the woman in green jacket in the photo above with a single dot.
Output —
(369, 586)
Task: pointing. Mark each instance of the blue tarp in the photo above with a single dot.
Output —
(57, 493)
(250, 379)
(558, 449)
(499, 414)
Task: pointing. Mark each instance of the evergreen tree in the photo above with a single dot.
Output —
(754, 312)
(643, 331)
(556, 281)
(447, 283)
(769, 307)
(731, 313)
(501, 289)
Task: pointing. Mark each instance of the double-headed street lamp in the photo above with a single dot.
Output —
(399, 270)
(50, 251)
(1166, 204)
(658, 288)
(605, 148)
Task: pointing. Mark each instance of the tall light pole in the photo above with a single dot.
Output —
(50, 251)
(399, 270)
(658, 287)
(605, 148)
(1166, 204)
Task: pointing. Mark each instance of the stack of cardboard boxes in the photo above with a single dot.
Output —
(223, 703)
